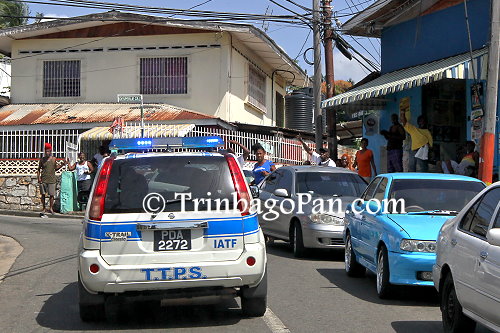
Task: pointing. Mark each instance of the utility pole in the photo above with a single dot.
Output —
(331, 114)
(490, 112)
(317, 74)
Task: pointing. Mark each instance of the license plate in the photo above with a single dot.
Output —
(172, 240)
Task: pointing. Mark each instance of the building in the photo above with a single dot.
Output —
(426, 56)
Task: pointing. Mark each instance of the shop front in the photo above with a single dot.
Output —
(449, 93)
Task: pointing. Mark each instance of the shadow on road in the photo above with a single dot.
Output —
(365, 289)
(426, 326)
(283, 249)
(60, 312)
(417, 326)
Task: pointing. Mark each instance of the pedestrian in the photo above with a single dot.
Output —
(421, 141)
(83, 171)
(468, 163)
(46, 175)
(263, 167)
(345, 162)
(98, 157)
(395, 137)
(364, 161)
(321, 159)
(243, 157)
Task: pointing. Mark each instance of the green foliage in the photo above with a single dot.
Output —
(13, 13)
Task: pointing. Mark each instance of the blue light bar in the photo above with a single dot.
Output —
(172, 142)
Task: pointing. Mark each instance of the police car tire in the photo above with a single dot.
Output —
(253, 307)
(297, 241)
(89, 312)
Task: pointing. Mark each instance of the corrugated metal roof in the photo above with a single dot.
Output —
(30, 114)
(456, 67)
(150, 131)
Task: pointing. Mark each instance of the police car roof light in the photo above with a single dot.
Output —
(170, 142)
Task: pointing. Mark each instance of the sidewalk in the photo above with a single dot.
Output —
(71, 215)
(9, 251)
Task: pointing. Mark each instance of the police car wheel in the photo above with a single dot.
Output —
(297, 241)
(89, 312)
(253, 307)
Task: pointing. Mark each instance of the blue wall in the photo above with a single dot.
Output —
(435, 36)
(377, 141)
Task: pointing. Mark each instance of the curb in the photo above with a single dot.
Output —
(73, 215)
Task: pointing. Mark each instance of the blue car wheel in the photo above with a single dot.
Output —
(352, 267)
(384, 287)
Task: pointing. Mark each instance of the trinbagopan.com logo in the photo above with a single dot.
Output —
(271, 209)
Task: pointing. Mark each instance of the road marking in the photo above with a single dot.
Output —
(274, 323)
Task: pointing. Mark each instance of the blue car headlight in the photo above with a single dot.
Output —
(415, 245)
(326, 219)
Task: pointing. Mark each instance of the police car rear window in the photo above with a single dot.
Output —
(131, 180)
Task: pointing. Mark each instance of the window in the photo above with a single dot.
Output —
(164, 76)
(370, 189)
(257, 88)
(379, 193)
(331, 184)
(481, 220)
(286, 181)
(61, 78)
(271, 182)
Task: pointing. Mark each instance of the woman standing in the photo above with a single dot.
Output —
(83, 171)
(364, 161)
(263, 167)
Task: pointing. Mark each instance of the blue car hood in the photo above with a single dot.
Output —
(423, 227)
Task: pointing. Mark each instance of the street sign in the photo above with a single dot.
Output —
(129, 98)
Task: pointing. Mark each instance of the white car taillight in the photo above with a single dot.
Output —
(240, 185)
(97, 203)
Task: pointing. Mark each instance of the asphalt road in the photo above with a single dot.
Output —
(309, 295)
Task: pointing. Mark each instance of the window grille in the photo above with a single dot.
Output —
(256, 88)
(61, 78)
(164, 76)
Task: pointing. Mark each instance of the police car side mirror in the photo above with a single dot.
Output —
(255, 191)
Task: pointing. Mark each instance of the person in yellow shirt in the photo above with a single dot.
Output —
(420, 136)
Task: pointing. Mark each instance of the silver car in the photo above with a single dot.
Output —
(302, 225)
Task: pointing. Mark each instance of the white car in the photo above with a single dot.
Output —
(467, 269)
(140, 242)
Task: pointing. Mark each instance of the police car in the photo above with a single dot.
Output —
(147, 236)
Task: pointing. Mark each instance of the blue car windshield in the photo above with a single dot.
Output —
(423, 195)
(330, 184)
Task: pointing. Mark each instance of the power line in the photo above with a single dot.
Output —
(303, 45)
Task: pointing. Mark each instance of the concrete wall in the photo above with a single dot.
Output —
(108, 73)
(435, 36)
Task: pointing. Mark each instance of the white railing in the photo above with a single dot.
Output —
(28, 144)
(20, 150)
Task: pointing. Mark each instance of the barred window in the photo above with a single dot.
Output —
(256, 88)
(164, 75)
(61, 78)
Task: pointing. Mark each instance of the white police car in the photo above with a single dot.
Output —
(145, 237)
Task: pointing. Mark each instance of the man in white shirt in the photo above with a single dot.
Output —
(321, 159)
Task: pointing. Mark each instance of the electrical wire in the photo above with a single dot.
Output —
(303, 45)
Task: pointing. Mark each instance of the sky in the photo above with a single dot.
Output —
(290, 38)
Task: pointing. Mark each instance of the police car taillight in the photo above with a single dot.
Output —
(239, 185)
(97, 203)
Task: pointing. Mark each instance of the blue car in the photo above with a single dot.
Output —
(397, 240)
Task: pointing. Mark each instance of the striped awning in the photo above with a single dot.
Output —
(150, 131)
(456, 67)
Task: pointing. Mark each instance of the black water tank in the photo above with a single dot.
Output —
(299, 110)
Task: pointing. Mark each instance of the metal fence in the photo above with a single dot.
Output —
(20, 150)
